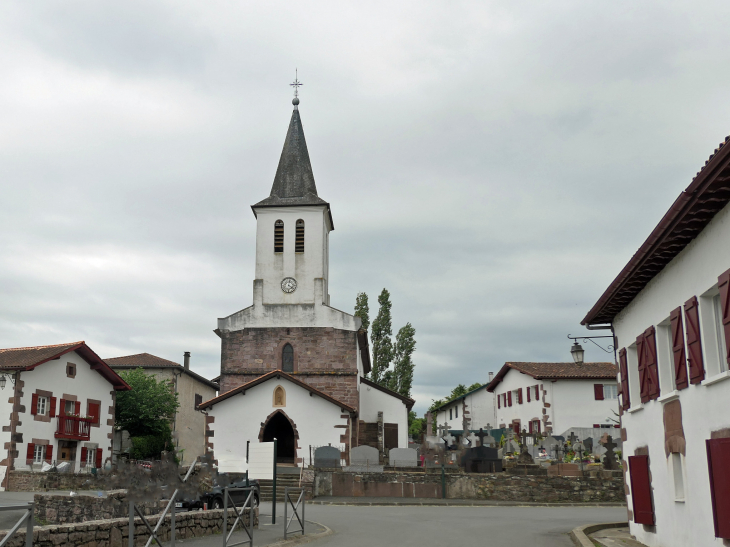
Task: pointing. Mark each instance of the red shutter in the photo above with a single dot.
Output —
(77, 408)
(52, 413)
(598, 391)
(94, 412)
(62, 408)
(538, 426)
(724, 286)
(643, 382)
(641, 490)
(49, 453)
(624, 369)
(718, 462)
(84, 456)
(519, 396)
(694, 346)
(499, 401)
(98, 458)
(651, 362)
(530, 426)
(509, 398)
(29, 454)
(680, 361)
(34, 404)
(528, 394)
(537, 393)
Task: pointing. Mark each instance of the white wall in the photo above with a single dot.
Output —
(704, 407)
(51, 376)
(480, 405)
(238, 419)
(524, 412)
(394, 410)
(304, 267)
(574, 404)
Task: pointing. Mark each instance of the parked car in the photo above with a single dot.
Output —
(214, 498)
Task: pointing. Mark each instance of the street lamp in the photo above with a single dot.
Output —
(3, 380)
(577, 353)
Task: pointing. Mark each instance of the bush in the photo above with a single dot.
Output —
(150, 447)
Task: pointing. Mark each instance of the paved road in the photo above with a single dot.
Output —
(365, 526)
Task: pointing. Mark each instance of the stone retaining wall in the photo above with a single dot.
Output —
(55, 509)
(603, 487)
(115, 532)
(25, 481)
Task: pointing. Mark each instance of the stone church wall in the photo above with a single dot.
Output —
(325, 358)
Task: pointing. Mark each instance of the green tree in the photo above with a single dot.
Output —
(405, 344)
(475, 385)
(149, 408)
(416, 426)
(362, 310)
(380, 339)
(458, 391)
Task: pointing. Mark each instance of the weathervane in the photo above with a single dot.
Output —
(296, 85)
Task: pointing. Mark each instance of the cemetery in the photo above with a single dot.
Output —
(492, 464)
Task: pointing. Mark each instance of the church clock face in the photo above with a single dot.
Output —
(288, 285)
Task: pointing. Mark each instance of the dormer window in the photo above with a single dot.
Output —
(279, 236)
(299, 242)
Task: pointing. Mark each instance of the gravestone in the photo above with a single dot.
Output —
(403, 457)
(327, 456)
(588, 443)
(481, 459)
(609, 459)
(364, 455)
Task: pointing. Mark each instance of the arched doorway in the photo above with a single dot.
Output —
(278, 426)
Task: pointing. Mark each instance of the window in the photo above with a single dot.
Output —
(610, 391)
(451, 414)
(299, 241)
(719, 332)
(676, 463)
(90, 456)
(287, 358)
(69, 407)
(42, 407)
(456, 412)
(279, 236)
(279, 396)
(535, 426)
(70, 370)
(198, 400)
(39, 451)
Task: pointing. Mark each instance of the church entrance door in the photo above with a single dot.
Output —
(280, 428)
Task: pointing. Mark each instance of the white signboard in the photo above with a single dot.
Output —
(261, 461)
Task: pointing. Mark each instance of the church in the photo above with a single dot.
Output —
(293, 367)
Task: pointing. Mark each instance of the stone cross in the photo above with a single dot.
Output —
(464, 419)
(481, 435)
(609, 461)
(572, 438)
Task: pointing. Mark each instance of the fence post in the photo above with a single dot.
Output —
(286, 509)
(130, 543)
(443, 481)
(29, 526)
(225, 516)
(172, 522)
(273, 500)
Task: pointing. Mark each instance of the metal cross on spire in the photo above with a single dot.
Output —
(296, 83)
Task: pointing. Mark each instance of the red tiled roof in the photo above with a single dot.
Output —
(696, 206)
(558, 371)
(147, 360)
(30, 357)
(268, 376)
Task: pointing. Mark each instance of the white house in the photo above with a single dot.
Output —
(290, 345)
(59, 407)
(188, 426)
(477, 406)
(670, 312)
(554, 397)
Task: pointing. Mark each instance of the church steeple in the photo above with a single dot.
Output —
(294, 180)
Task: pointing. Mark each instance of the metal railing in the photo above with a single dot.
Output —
(240, 517)
(295, 512)
(74, 427)
(153, 531)
(27, 517)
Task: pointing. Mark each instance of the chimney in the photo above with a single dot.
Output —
(491, 377)
(186, 363)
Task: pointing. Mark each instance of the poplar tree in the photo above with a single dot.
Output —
(380, 339)
(362, 310)
(405, 344)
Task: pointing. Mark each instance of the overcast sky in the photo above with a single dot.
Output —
(493, 164)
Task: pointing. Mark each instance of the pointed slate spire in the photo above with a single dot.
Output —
(294, 180)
